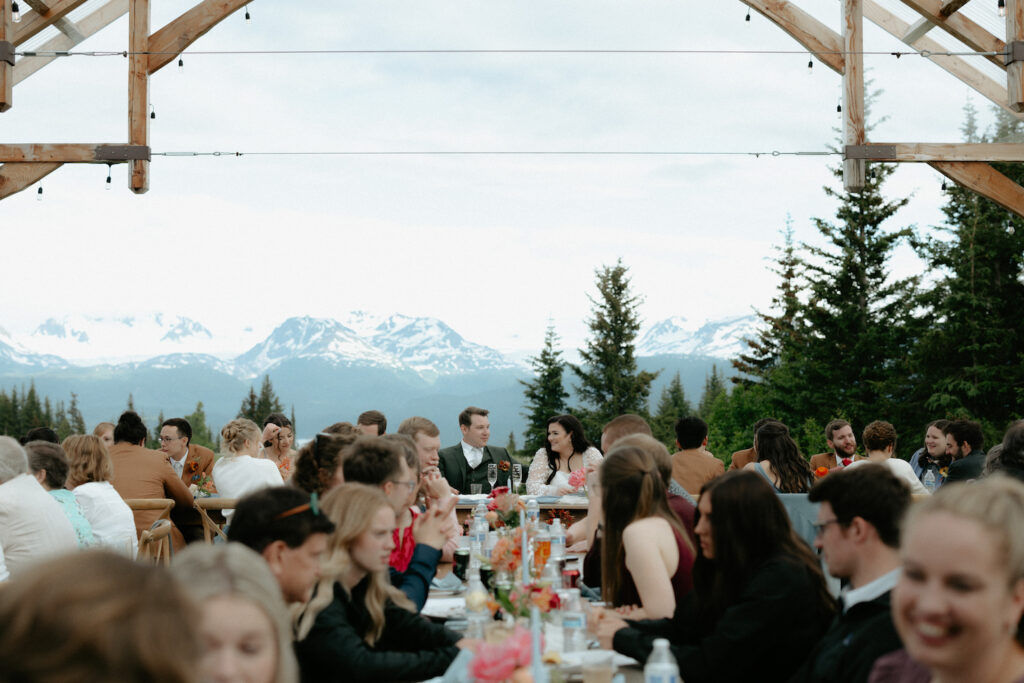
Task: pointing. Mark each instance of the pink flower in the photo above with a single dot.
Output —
(492, 664)
(498, 490)
(520, 647)
(578, 478)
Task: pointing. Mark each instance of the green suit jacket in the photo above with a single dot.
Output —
(453, 465)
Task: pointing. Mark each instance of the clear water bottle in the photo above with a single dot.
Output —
(557, 539)
(574, 620)
(476, 606)
(478, 535)
(532, 512)
(929, 480)
(661, 666)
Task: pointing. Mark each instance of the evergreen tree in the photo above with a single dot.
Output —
(48, 416)
(153, 435)
(609, 383)
(61, 424)
(8, 418)
(294, 423)
(250, 406)
(672, 405)
(970, 360)
(131, 402)
(75, 416)
(31, 414)
(545, 394)
(268, 401)
(714, 386)
(201, 433)
(511, 447)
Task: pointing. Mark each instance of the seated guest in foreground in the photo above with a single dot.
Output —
(142, 473)
(964, 442)
(90, 471)
(692, 466)
(239, 471)
(779, 460)
(96, 616)
(357, 624)
(285, 526)
(33, 525)
(466, 462)
(960, 596)
(759, 599)
(565, 450)
(243, 622)
(381, 463)
(646, 556)
(318, 465)
(879, 443)
(859, 538)
(49, 465)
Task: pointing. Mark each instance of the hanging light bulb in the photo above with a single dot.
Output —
(39, 194)
(15, 13)
(1001, 4)
(152, 112)
(810, 66)
(248, 19)
(181, 63)
(943, 185)
(748, 15)
(109, 166)
(839, 108)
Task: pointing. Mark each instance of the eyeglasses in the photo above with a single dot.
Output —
(410, 484)
(819, 527)
(166, 439)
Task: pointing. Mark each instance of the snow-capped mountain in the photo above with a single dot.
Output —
(426, 345)
(86, 340)
(14, 354)
(308, 337)
(717, 338)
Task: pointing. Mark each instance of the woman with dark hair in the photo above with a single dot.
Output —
(646, 557)
(318, 465)
(779, 460)
(564, 451)
(932, 456)
(759, 599)
(278, 437)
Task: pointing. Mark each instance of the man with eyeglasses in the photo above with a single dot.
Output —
(189, 461)
(379, 462)
(858, 534)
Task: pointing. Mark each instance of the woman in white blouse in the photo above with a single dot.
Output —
(565, 451)
(90, 471)
(879, 442)
(239, 471)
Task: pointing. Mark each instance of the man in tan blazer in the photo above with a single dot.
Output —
(189, 461)
(142, 473)
(692, 466)
(741, 459)
(840, 438)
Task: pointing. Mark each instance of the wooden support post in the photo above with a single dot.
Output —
(818, 38)
(6, 56)
(16, 177)
(1015, 68)
(71, 153)
(854, 170)
(934, 151)
(93, 23)
(138, 90)
(986, 181)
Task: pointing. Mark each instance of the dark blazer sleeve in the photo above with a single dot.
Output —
(450, 468)
(415, 580)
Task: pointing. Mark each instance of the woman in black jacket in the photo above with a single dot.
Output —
(759, 601)
(357, 625)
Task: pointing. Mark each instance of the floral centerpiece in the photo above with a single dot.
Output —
(578, 479)
(507, 554)
(517, 600)
(503, 508)
(202, 487)
(508, 660)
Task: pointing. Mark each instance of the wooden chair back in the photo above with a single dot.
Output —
(155, 543)
(165, 505)
(213, 525)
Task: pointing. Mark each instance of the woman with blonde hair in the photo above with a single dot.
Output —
(105, 430)
(239, 471)
(94, 617)
(90, 471)
(357, 621)
(243, 622)
(960, 597)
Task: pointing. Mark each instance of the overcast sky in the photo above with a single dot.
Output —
(494, 245)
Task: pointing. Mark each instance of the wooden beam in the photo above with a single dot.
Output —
(917, 31)
(33, 22)
(16, 177)
(71, 153)
(961, 28)
(957, 66)
(1015, 69)
(854, 170)
(819, 39)
(93, 23)
(177, 35)
(138, 90)
(7, 59)
(931, 151)
(986, 181)
(951, 6)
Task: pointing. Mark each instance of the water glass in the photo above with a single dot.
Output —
(476, 489)
(598, 667)
(492, 474)
(517, 476)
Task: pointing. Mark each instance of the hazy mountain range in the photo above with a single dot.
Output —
(328, 369)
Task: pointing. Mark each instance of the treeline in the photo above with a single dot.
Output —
(842, 338)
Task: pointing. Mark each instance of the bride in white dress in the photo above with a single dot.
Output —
(566, 451)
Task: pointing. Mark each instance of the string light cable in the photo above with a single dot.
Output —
(663, 153)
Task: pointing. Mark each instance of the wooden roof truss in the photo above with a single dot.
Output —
(966, 164)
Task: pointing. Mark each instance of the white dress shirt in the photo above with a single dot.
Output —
(113, 522)
(474, 455)
(179, 465)
(869, 591)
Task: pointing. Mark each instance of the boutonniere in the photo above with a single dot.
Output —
(944, 472)
(821, 472)
(192, 466)
(503, 465)
(846, 461)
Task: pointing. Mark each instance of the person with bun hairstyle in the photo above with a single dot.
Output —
(142, 473)
(239, 471)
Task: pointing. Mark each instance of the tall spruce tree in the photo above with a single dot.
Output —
(714, 386)
(609, 382)
(201, 433)
(250, 407)
(971, 356)
(545, 394)
(672, 405)
(268, 401)
(75, 416)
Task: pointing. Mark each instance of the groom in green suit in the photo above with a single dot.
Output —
(466, 463)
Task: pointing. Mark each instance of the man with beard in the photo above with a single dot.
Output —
(964, 441)
(840, 438)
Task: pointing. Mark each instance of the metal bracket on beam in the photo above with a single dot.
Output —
(1014, 51)
(122, 153)
(7, 52)
(870, 152)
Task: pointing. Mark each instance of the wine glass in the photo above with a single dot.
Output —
(492, 474)
(517, 476)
